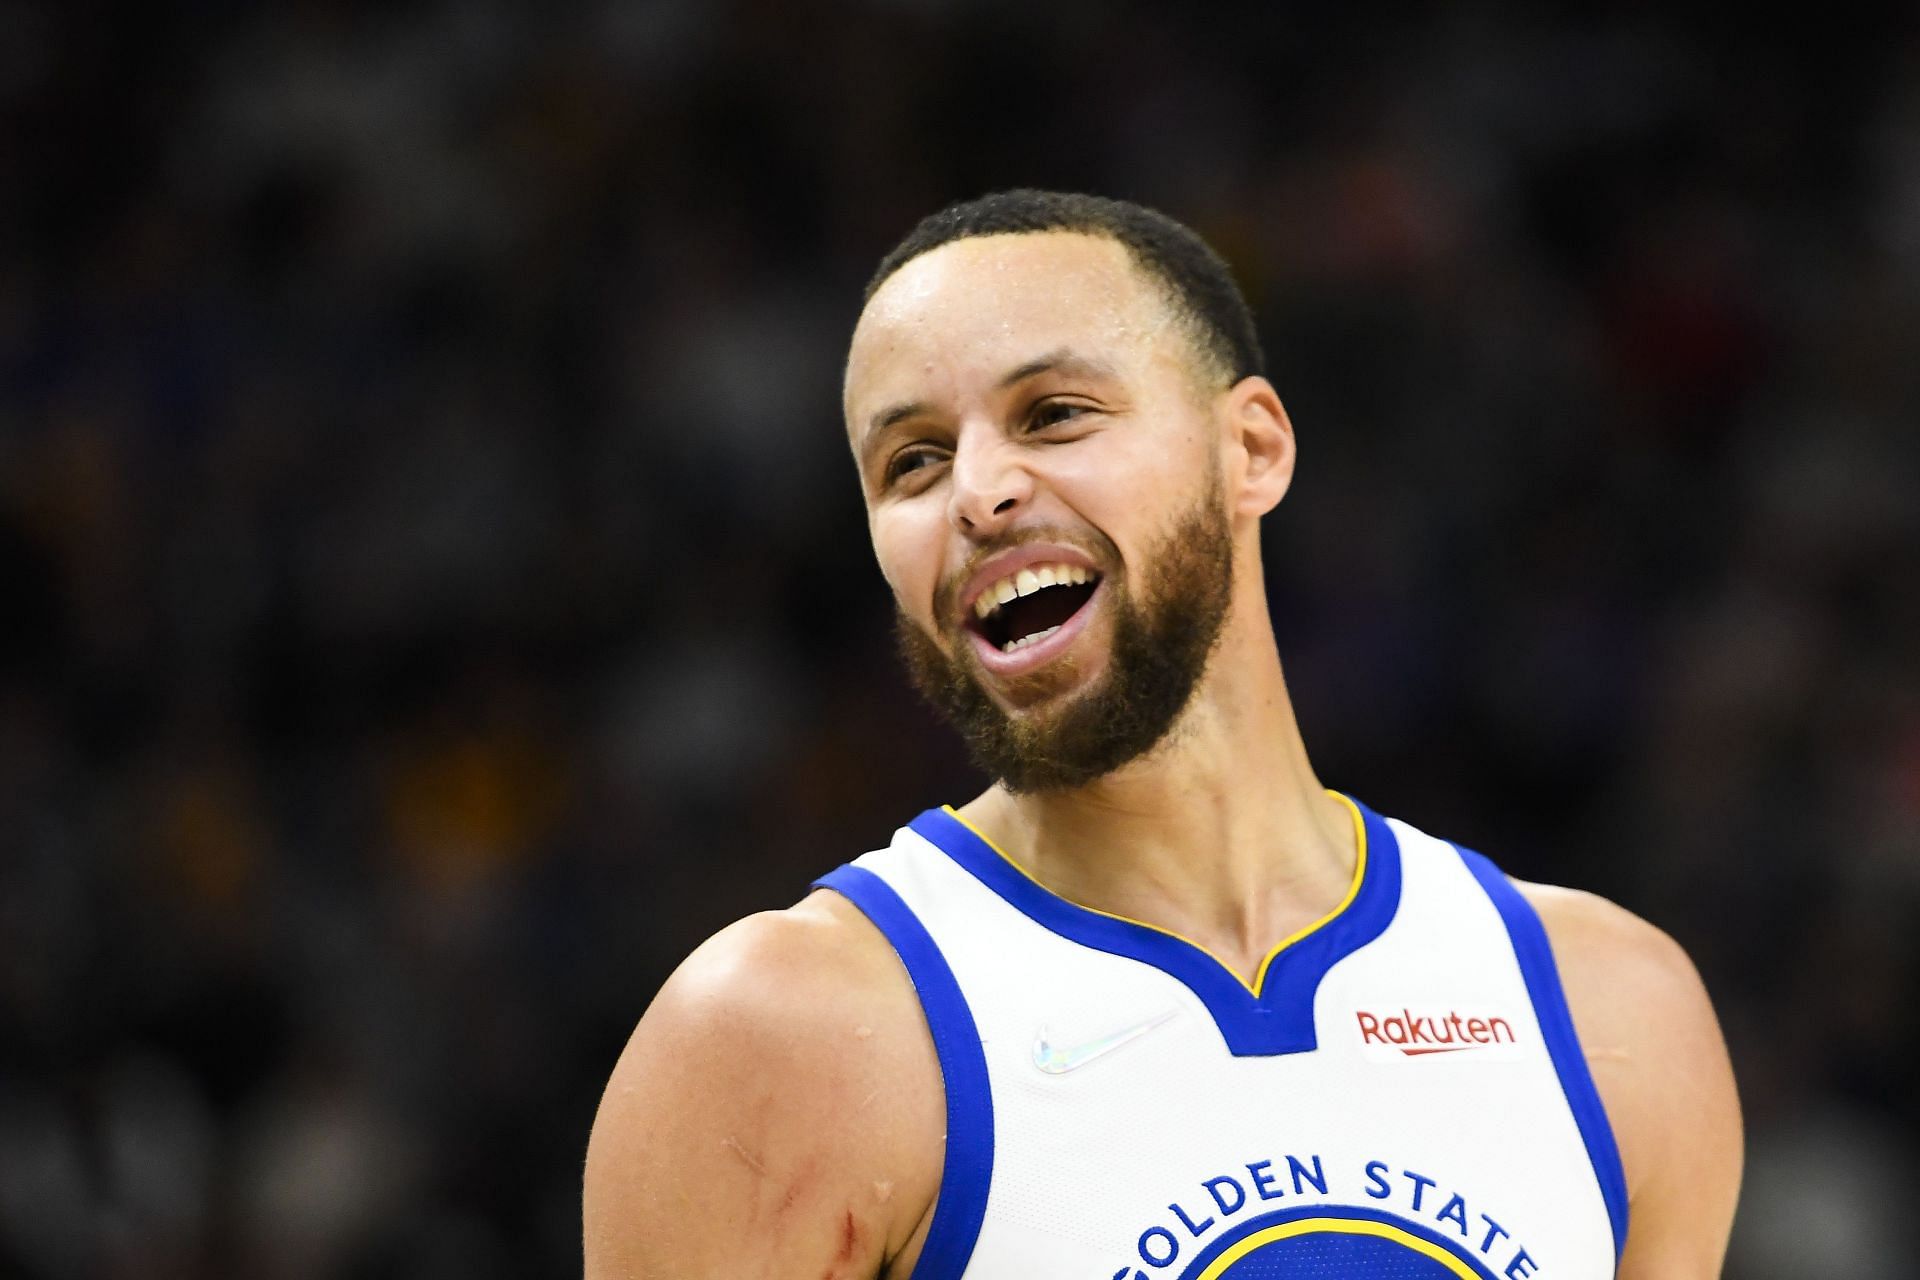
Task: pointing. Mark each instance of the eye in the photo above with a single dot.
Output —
(1049, 413)
(909, 460)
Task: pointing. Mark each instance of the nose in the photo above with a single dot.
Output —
(990, 483)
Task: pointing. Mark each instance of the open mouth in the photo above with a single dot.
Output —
(1030, 605)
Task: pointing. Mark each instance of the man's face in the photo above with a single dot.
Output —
(1043, 487)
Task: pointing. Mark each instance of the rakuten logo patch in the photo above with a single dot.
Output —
(1404, 1032)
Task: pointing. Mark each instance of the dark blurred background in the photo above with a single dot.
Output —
(434, 593)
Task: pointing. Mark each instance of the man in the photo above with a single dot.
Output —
(1156, 1004)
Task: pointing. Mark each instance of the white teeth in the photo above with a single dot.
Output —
(1011, 645)
(1026, 582)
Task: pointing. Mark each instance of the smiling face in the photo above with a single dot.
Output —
(1039, 447)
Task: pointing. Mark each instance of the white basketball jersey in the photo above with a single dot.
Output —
(1398, 1096)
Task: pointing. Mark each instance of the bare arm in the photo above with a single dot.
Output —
(1658, 1059)
(777, 1113)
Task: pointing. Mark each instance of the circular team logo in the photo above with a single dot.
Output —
(1331, 1242)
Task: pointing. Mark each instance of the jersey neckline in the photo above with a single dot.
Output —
(1273, 1016)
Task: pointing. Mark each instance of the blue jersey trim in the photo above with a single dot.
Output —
(967, 1170)
(1535, 953)
(1279, 1019)
(1351, 1213)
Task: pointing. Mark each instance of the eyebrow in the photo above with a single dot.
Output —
(1061, 360)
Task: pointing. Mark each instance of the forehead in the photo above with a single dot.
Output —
(980, 306)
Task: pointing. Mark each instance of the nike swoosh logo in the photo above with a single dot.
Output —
(1057, 1061)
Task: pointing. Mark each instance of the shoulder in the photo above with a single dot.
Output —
(1637, 1000)
(1653, 1044)
(779, 1102)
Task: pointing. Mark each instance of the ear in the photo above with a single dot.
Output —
(1259, 447)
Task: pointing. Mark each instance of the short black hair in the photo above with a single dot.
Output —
(1192, 276)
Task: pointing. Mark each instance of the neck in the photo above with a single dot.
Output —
(1221, 834)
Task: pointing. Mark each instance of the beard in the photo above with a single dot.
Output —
(1163, 636)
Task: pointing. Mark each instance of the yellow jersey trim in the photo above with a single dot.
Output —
(1260, 975)
(1343, 1226)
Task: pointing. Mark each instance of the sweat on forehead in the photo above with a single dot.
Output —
(1007, 295)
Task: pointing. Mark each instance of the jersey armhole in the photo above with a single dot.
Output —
(966, 1171)
(1534, 952)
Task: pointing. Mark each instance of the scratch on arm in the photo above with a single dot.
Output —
(747, 1157)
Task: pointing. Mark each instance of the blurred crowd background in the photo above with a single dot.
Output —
(434, 593)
